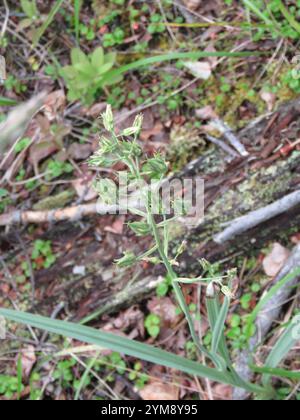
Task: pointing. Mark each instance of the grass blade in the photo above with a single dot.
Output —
(172, 56)
(252, 6)
(292, 21)
(77, 8)
(47, 22)
(119, 344)
(7, 101)
(283, 346)
(219, 325)
(19, 376)
(252, 317)
(276, 372)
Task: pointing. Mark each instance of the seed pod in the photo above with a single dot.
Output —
(127, 260)
(131, 131)
(210, 290)
(140, 228)
(108, 119)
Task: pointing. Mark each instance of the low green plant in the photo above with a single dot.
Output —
(125, 148)
(29, 7)
(22, 144)
(85, 75)
(137, 376)
(63, 372)
(280, 20)
(157, 25)
(9, 386)
(43, 249)
(152, 325)
(114, 38)
(56, 168)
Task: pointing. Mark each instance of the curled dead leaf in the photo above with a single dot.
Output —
(274, 262)
(28, 359)
(192, 4)
(159, 391)
(54, 104)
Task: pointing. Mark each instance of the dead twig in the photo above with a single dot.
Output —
(4, 26)
(69, 213)
(255, 218)
(223, 146)
(230, 136)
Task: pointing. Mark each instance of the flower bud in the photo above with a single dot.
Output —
(140, 228)
(131, 131)
(108, 119)
(127, 260)
(138, 122)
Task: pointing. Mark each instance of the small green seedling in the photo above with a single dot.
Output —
(84, 76)
(43, 249)
(152, 325)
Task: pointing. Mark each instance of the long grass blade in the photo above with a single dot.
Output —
(283, 346)
(77, 8)
(292, 21)
(172, 56)
(40, 32)
(252, 317)
(218, 330)
(7, 101)
(276, 372)
(117, 343)
(252, 6)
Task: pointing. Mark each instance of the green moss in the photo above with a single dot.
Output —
(185, 145)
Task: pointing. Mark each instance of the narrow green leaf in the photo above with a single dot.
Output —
(283, 346)
(119, 344)
(276, 372)
(218, 330)
(252, 6)
(77, 8)
(40, 32)
(292, 21)
(173, 56)
(19, 376)
(7, 101)
(252, 317)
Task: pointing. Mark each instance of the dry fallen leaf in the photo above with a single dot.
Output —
(274, 262)
(54, 104)
(206, 113)
(159, 391)
(41, 151)
(201, 69)
(84, 189)
(117, 227)
(28, 359)
(269, 98)
(192, 4)
(79, 151)
(164, 308)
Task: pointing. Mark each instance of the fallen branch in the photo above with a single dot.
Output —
(69, 213)
(268, 315)
(230, 136)
(255, 218)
